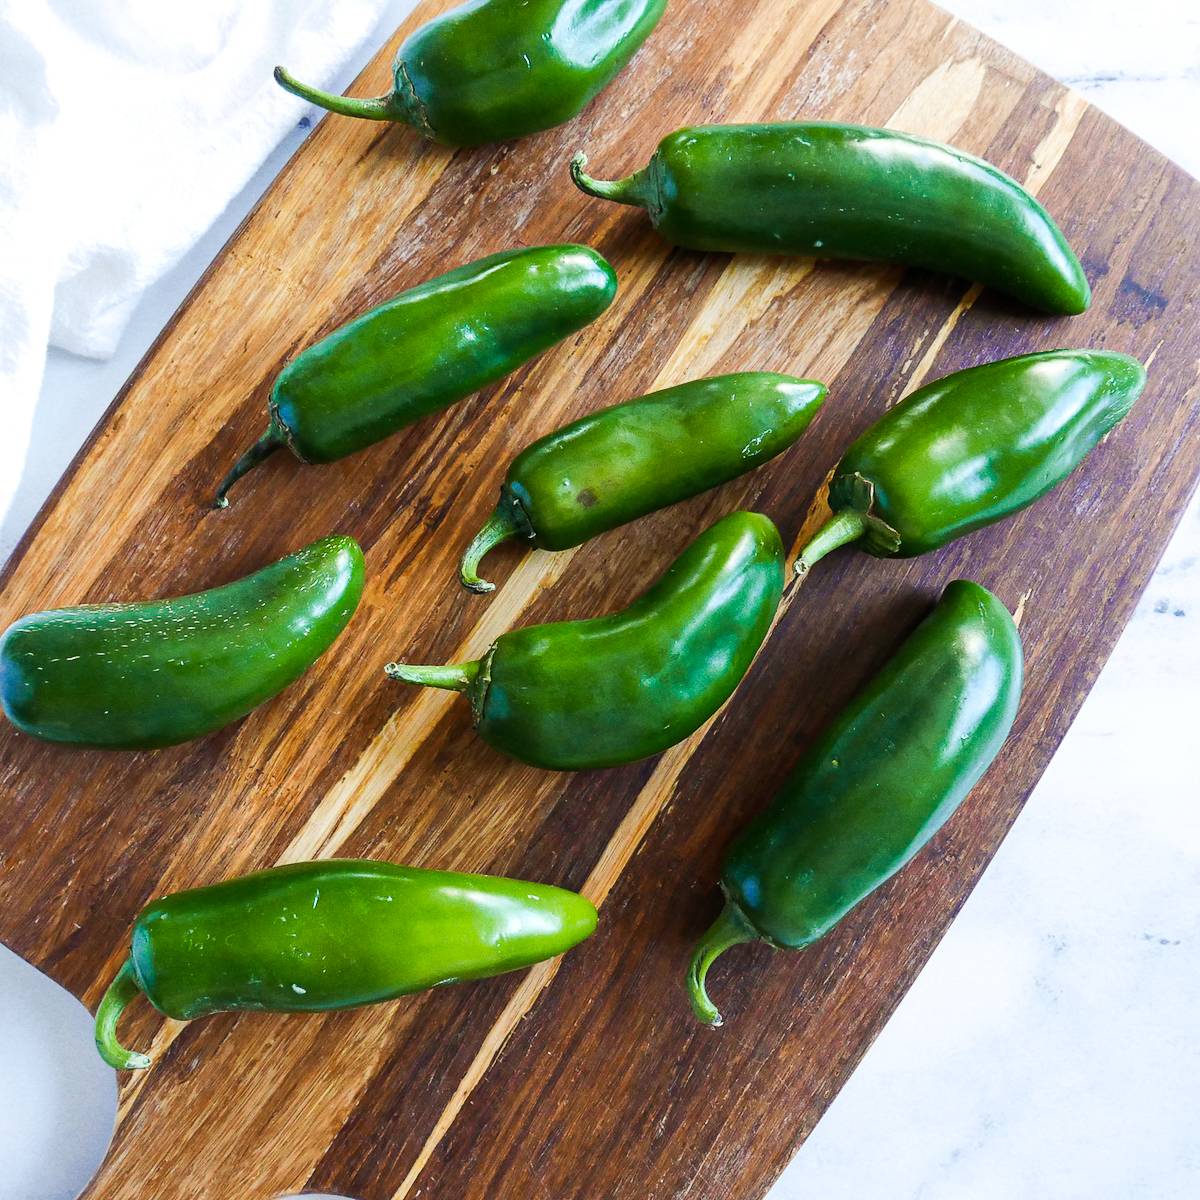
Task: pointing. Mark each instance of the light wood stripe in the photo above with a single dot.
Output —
(1022, 601)
(940, 338)
(616, 855)
(744, 292)
(758, 51)
(535, 981)
(943, 100)
(357, 792)
(1069, 109)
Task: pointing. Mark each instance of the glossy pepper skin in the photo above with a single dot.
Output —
(876, 786)
(428, 348)
(852, 191)
(971, 448)
(314, 936)
(623, 462)
(493, 70)
(142, 676)
(615, 689)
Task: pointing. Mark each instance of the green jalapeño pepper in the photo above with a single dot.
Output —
(426, 349)
(850, 191)
(492, 70)
(633, 458)
(140, 676)
(971, 448)
(614, 689)
(310, 937)
(876, 786)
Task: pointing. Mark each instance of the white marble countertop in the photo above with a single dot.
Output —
(1049, 1049)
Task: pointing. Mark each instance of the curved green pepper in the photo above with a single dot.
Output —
(614, 689)
(493, 70)
(877, 785)
(310, 937)
(628, 460)
(851, 191)
(426, 349)
(141, 676)
(972, 448)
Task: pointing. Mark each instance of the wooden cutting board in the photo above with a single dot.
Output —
(586, 1077)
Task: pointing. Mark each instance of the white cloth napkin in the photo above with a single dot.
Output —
(126, 126)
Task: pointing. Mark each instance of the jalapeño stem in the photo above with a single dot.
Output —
(453, 677)
(503, 524)
(122, 989)
(371, 108)
(843, 527)
(633, 189)
(731, 928)
(266, 445)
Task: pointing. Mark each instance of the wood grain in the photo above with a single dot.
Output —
(584, 1077)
